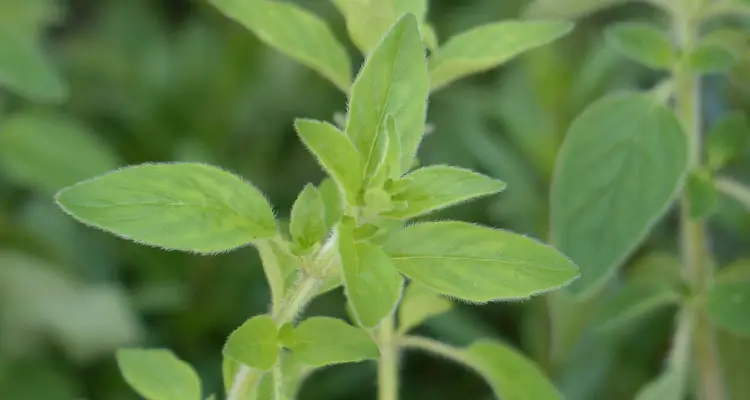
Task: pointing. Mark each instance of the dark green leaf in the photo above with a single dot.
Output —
(701, 191)
(727, 140)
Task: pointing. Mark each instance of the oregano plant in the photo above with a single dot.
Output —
(354, 229)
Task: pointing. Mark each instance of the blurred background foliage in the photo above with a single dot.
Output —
(136, 81)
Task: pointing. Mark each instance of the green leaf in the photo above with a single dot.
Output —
(332, 202)
(667, 386)
(254, 343)
(710, 58)
(632, 303)
(701, 190)
(419, 304)
(727, 140)
(48, 151)
(308, 225)
(622, 164)
(392, 81)
(294, 31)
(488, 46)
(25, 69)
(371, 282)
(158, 374)
(729, 299)
(335, 153)
(643, 43)
(439, 186)
(179, 206)
(511, 374)
(477, 263)
(293, 373)
(390, 166)
(568, 9)
(326, 341)
(280, 268)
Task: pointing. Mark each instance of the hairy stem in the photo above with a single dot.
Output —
(433, 346)
(388, 363)
(694, 246)
(278, 382)
(735, 190)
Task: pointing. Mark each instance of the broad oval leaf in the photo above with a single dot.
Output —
(25, 69)
(158, 374)
(621, 166)
(392, 81)
(419, 304)
(439, 186)
(254, 343)
(294, 31)
(371, 283)
(307, 222)
(511, 375)
(729, 299)
(477, 263)
(633, 302)
(643, 43)
(48, 151)
(323, 341)
(335, 153)
(178, 206)
(485, 47)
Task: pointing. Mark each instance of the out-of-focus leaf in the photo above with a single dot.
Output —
(727, 140)
(701, 190)
(643, 43)
(709, 58)
(729, 299)
(418, 304)
(569, 9)
(158, 374)
(38, 379)
(633, 302)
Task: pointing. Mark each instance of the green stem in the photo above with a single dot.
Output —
(388, 362)
(433, 346)
(694, 246)
(735, 190)
(278, 381)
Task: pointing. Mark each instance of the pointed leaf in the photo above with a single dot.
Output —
(643, 43)
(371, 282)
(439, 186)
(710, 58)
(488, 46)
(280, 268)
(294, 31)
(332, 202)
(477, 263)
(727, 140)
(335, 153)
(390, 167)
(254, 343)
(633, 302)
(701, 190)
(603, 200)
(392, 81)
(178, 206)
(729, 299)
(25, 69)
(326, 341)
(419, 304)
(308, 225)
(158, 374)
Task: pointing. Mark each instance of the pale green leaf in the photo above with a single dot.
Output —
(729, 299)
(294, 31)
(439, 186)
(280, 268)
(633, 302)
(429, 36)
(254, 343)
(390, 167)
(332, 202)
(477, 263)
(710, 58)
(622, 164)
(48, 151)
(667, 386)
(488, 46)
(419, 304)
(511, 374)
(371, 282)
(335, 153)
(727, 140)
(393, 81)
(26, 69)
(179, 206)
(308, 225)
(326, 341)
(701, 190)
(158, 374)
(643, 43)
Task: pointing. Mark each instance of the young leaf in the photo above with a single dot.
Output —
(326, 341)
(178, 206)
(701, 190)
(487, 46)
(390, 167)
(25, 69)
(392, 81)
(727, 140)
(279, 267)
(371, 282)
(308, 225)
(603, 200)
(729, 299)
(254, 343)
(477, 263)
(332, 202)
(419, 304)
(710, 58)
(439, 186)
(48, 151)
(642, 43)
(633, 302)
(511, 375)
(294, 31)
(158, 374)
(335, 153)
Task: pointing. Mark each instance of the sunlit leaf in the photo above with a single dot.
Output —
(159, 375)
(419, 304)
(254, 343)
(326, 341)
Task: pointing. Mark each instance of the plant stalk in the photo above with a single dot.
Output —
(694, 247)
(388, 363)
(433, 346)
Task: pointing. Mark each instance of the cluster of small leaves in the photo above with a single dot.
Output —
(350, 230)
